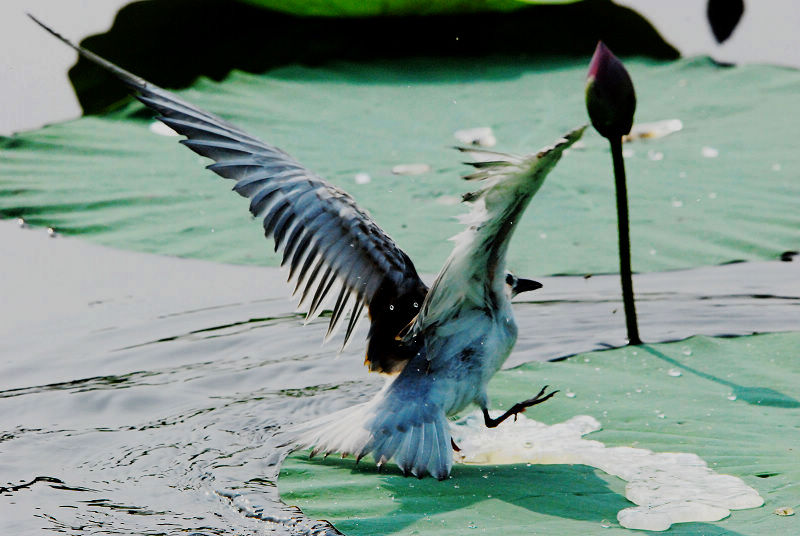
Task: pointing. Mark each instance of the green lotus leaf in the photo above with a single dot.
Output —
(733, 402)
(723, 188)
(356, 8)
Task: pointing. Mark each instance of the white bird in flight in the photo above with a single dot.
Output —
(439, 346)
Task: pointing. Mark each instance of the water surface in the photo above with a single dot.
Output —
(141, 393)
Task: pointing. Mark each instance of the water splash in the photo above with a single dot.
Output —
(667, 488)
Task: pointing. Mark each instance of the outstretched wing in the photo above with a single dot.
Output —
(332, 247)
(473, 279)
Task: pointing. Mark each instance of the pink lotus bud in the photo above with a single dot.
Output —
(610, 98)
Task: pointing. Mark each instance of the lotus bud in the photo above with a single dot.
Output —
(610, 98)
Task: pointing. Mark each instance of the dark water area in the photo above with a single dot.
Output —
(141, 394)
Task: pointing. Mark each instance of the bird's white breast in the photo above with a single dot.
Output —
(467, 352)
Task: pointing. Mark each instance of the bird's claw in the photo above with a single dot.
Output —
(538, 399)
(519, 407)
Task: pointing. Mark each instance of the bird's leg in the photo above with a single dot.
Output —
(519, 407)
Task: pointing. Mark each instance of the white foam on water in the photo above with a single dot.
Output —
(667, 487)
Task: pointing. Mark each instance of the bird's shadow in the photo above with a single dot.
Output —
(557, 491)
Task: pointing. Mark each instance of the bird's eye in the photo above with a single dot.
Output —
(510, 279)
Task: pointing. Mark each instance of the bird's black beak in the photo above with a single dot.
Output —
(524, 285)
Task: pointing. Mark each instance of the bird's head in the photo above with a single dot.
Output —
(517, 285)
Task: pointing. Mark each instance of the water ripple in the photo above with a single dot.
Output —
(153, 401)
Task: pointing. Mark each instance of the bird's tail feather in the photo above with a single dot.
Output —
(416, 435)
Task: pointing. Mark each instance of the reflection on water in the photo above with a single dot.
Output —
(141, 394)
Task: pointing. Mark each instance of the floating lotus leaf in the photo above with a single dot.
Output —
(733, 402)
(723, 188)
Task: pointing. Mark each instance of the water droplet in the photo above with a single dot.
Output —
(543, 236)
(627, 152)
(362, 178)
(569, 394)
(686, 350)
(712, 195)
(51, 232)
(638, 389)
(606, 524)
(416, 305)
(709, 152)
(674, 373)
(776, 167)
(731, 396)
(472, 525)
(20, 222)
(655, 155)
(661, 416)
(677, 203)
(527, 445)
(391, 307)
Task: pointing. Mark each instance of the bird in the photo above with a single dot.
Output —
(438, 346)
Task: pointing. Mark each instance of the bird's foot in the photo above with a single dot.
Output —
(519, 407)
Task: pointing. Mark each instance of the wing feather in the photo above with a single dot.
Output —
(326, 238)
(322, 289)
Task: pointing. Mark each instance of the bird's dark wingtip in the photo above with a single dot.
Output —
(51, 31)
(126, 77)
